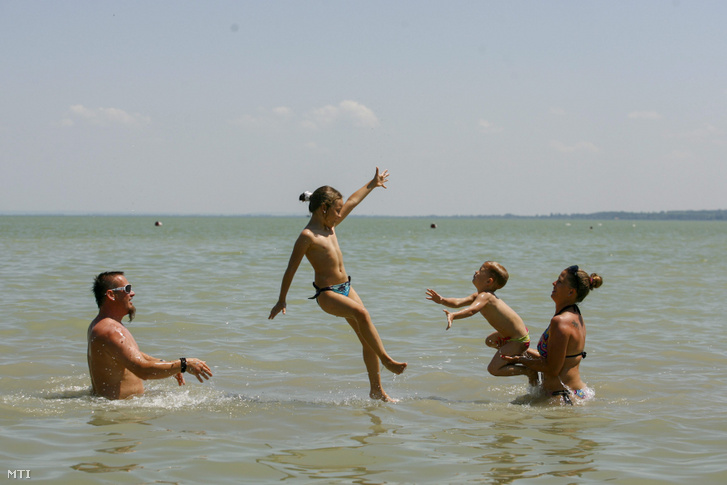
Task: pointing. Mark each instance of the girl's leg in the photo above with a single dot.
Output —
(371, 360)
(352, 309)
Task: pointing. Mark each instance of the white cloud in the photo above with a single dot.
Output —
(681, 155)
(115, 115)
(247, 121)
(283, 112)
(105, 116)
(557, 111)
(644, 115)
(488, 127)
(326, 114)
(265, 118)
(581, 146)
(308, 125)
(706, 133)
(346, 111)
(359, 114)
(82, 112)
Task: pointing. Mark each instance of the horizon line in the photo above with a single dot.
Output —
(612, 214)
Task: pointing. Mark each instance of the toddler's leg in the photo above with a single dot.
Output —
(500, 367)
(494, 340)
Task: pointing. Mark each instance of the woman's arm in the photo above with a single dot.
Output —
(355, 199)
(551, 365)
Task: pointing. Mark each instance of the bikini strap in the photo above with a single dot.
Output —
(579, 354)
(318, 292)
(565, 394)
(576, 310)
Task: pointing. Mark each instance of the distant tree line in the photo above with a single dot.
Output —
(702, 215)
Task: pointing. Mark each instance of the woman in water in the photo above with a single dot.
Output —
(562, 346)
(334, 293)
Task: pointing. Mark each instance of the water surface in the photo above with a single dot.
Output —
(288, 401)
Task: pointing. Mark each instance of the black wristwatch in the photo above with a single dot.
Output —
(183, 360)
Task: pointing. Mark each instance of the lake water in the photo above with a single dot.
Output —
(288, 401)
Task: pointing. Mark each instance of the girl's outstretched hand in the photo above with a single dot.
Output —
(381, 179)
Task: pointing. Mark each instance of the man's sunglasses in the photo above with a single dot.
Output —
(126, 288)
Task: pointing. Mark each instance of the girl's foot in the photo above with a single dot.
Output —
(395, 367)
(382, 396)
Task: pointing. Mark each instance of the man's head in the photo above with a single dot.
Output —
(112, 287)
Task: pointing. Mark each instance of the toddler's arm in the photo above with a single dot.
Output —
(450, 302)
(479, 301)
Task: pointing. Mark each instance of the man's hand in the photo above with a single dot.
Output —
(199, 369)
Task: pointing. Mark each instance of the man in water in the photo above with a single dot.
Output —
(118, 368)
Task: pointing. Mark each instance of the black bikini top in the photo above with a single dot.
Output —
(576, 310)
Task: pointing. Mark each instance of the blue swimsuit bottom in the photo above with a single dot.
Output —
(341, 289)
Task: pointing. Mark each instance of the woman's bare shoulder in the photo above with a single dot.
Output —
(564, 323)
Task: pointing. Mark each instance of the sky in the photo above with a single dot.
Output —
(474, 107)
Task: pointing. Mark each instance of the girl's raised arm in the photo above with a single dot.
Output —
(379, 180)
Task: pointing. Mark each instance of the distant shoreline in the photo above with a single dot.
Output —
(700, 215)
(691, 215)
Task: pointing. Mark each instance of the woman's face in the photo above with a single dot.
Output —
(561, 288)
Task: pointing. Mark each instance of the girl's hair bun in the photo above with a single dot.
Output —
(305, 196)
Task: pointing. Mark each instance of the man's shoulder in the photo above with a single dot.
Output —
(105, 328)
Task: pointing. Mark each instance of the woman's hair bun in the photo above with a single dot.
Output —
(595, 281)
(305, 196)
